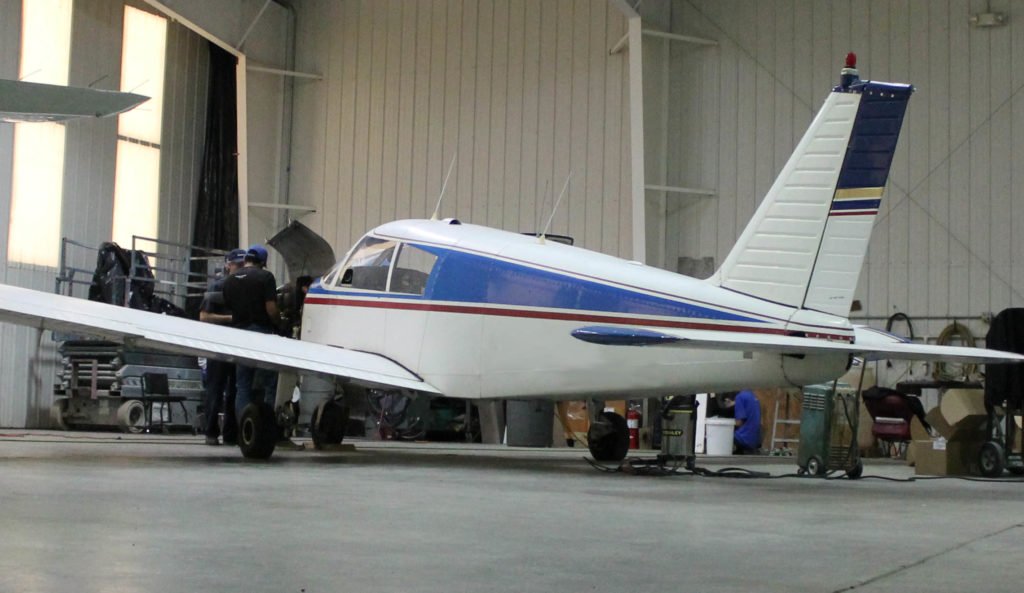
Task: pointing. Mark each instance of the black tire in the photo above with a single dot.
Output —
(1017, 471)
(857, 471)
(815, 466)
(257, 431)
(609, 443)
(328, 424)
(991, 460)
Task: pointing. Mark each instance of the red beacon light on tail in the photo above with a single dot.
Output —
(849, 75)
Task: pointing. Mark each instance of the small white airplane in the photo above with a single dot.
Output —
(441, 307)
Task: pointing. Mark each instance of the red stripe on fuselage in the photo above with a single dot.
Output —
(559, 316)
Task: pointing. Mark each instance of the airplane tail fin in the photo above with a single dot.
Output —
(805, 245)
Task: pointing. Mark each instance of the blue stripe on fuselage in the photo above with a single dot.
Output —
(464, 277)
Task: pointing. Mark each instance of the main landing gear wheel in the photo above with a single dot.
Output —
(328, 424)
(990, 460)
(257, 431)
(609, 440)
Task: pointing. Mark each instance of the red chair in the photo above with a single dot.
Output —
(890, 415)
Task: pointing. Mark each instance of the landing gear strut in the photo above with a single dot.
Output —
(608, 436)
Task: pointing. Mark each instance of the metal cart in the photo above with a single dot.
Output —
(828, 431)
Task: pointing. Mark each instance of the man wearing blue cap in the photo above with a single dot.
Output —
(251, 294)
(220, 375)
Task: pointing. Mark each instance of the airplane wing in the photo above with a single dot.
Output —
(22, 101)
(870, 343)
(185, 336)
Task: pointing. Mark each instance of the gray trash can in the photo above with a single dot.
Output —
(529, 423)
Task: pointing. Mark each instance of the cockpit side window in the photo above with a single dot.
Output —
(412, 270)
(369, 264)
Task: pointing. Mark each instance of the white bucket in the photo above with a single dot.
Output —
(719, 436)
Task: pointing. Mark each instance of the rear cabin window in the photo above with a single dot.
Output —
(412, 270)
(368, 267)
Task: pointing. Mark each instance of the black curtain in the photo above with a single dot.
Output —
(216, 222)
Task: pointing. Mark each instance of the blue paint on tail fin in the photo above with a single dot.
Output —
(875, 134)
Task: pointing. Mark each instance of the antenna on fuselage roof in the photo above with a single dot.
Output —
(444, 186)
(555, 209)
(540, 210)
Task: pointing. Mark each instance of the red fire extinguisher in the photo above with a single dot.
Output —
(633, 422)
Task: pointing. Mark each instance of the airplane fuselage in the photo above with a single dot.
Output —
(482, 313)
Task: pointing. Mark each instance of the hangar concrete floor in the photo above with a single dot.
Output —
(95, 512)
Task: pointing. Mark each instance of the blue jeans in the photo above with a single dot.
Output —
(245, 376)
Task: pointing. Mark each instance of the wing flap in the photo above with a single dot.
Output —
(870, 343)
(185, 336)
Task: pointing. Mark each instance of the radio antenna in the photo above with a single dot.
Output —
(555, 209)
(540, 211)
(444, 186)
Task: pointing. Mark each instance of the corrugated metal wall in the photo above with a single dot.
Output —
(27, 367)
(944, 243)
(524, 89)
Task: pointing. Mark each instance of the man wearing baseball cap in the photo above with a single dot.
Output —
(251, 295)
(220, 375)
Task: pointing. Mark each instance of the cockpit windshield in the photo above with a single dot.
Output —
(369, 267)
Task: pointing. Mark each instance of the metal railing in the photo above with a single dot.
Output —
(175, 270)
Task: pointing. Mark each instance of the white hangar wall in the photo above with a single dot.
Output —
(944, 245)
(27, 368)
(526, 90)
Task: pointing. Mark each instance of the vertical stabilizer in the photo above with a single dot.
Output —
(806, 243)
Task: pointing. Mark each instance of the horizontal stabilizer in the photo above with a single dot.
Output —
(184, 336)
(870, 343)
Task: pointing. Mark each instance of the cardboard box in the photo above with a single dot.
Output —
(960, 421)
(576, 418)
(963, 409)
(917, 430)
(920, 438)
(574, 415)
(957, 458)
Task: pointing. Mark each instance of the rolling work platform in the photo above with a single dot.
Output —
(100, 384)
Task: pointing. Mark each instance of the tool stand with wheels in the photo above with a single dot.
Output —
(828, 431)
(1004, 398)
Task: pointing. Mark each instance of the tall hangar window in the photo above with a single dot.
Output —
(137, 177)
(37, 185)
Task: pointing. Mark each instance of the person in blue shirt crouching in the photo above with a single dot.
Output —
(746, 408)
